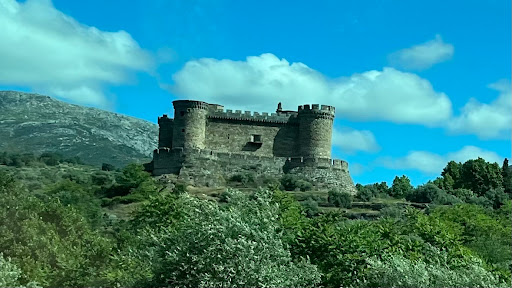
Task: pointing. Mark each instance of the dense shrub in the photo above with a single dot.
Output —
(207, 245)
(9, 273)
(497, 197)
(103, 179)
(430, 193)
(291, 182)
(52, 244)
(394, 270)
(310, 207)
(244, 178)
(340, 199)
(392, 212)
(107, 167)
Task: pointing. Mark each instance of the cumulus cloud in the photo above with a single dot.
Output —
(50, 52)
(422, 56)
(259, 82)
(487, 121)
(431, 163)
(350, 140)
(357, 169)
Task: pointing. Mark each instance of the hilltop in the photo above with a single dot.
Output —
(38, 123)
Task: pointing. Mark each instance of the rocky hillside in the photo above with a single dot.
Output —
(37, 123)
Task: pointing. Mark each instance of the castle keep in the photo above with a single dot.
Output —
(206, 144)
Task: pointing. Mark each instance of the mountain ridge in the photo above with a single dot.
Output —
(31, 122)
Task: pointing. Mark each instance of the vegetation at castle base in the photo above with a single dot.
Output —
(475, 181)
(58, 229)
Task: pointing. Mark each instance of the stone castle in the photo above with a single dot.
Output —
(206, 144)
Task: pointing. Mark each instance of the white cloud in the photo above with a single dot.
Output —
(422, 56)
(350, 140)
(487, 121)
(50, 52)
(431, 163)
(357, 169)
(261, 81)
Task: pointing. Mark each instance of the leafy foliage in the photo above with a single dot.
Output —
(207, 245)
(291, 182)
(430, 193)
(395, 270)
(340, 199)
(52, 244)
(401, 187)
(370, 191)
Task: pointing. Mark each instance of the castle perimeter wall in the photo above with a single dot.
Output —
(210, 168)
(234, 135)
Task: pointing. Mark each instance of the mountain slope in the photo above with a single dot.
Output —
(36, 123)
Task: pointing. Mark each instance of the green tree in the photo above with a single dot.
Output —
(506, 173)
(235, 245)
(452, 175)
(50, 243)
(9, 273)
(395, 270)
(430, 193)
(480, 176)
(370, 191)
(401, 187)
(107, 167)
(83, 200)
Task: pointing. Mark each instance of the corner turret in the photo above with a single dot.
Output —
(189, 124)
(315, 130)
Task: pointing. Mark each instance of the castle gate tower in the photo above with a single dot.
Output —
(189, 124)
(315, 130)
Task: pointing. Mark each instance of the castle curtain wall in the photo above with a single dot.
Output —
(277, 139)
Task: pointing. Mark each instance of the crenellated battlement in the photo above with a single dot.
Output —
(229, 114)
(192, 104)
(317, 162)
(317, 110)
(207, 144)
(165, 119)
(293, 162)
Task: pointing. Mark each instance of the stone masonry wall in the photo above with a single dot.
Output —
(213, 169)
(189, 124)
(278, 139)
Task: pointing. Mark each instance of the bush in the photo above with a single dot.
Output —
(180, 188)
(496, 196)
(101, 178)
(201, 244)
(9, 273)
(394, 270)
(310, 207)
(107, 167)
(392, 212)
(463, 194)
(292, 182)
(480, 201)
(430, 193)
(50, 158)
(243, 178)
(340, 199)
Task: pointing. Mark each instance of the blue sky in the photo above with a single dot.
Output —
(415, 83)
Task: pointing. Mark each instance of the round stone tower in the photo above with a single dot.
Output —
(189, 124)
(315, 130)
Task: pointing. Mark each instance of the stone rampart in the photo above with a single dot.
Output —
(210, 168)
(249, 116)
